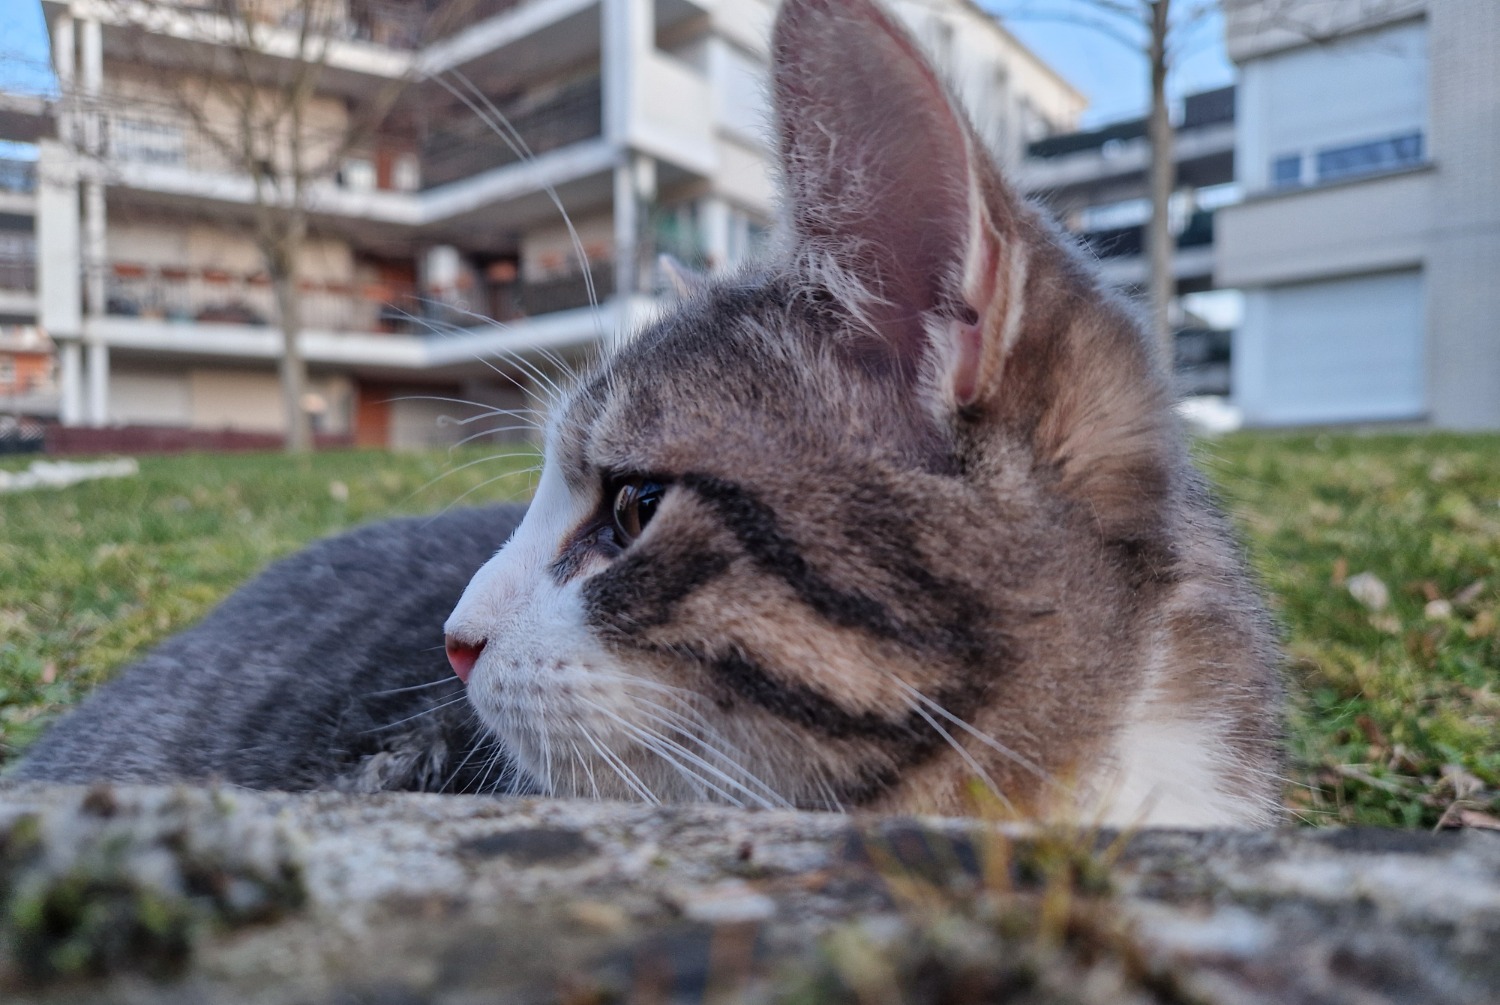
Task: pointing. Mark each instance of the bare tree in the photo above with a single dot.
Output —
(255, 96)
(1159, 30)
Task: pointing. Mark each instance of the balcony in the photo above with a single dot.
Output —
(1125, 242)
(467, 146)
(1122, 253)
(18, 288)
(17, 186)
(1099, 165)
(180, 297)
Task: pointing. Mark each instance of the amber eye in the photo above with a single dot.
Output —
(636, 501)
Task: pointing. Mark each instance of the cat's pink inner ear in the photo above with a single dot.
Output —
(882, 183)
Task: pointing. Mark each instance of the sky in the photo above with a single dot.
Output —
(1108, 72)
(1112, 75)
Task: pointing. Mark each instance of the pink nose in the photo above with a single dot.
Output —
(462, 656)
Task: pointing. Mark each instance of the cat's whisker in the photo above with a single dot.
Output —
(620, 768)
(689, 723)
(544, 382)
(982, 737)
(588, 769)
(426, 711)
(413, 687)
(490, 431)
(486, 411)
(655, 741)
(502, 127)
(726, 754)
(484, 484)
(967, 757)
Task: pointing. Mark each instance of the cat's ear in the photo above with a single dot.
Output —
(893, 205)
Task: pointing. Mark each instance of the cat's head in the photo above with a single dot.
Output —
(859, 525)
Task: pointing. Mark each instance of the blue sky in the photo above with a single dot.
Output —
(1113, 76)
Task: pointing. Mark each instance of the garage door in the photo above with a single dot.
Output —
(1347, 350)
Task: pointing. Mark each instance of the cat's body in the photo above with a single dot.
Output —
(903, 512)
(325, 671)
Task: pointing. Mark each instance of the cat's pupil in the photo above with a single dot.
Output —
(636, 502)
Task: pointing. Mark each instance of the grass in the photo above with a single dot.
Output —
(1395, 712)
(1394, 715)
(93, 575)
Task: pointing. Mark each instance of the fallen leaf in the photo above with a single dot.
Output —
(1369, 590)
(1464, 784)
(1484, 623)
(1456, 817)
(1340, 571)
(1478, 820)
(1468, 594)
(1427, 588)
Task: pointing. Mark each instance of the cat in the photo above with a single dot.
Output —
(898, 519)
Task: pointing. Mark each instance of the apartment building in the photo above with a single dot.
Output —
(1096, 182)
(27, 384)
(1368, 241)
(438, 267)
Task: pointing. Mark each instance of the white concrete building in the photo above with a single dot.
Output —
(1368, 241)
(647, 119)
(27, 383)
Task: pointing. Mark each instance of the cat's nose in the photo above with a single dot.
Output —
(462, 655)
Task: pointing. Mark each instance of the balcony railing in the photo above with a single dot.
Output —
(397, 24)
(468, 146)
(1127, 242)
(210, 296)
(214, 297)
(17, 176)
(462, 148)
(554, 293)
(18, 273)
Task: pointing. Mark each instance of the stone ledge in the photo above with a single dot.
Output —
(221, 895)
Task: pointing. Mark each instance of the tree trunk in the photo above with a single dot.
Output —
(1160, 243)
(293, 367)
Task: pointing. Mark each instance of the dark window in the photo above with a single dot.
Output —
(1369, 158)
(1286, 171)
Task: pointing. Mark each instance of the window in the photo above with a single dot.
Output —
(1286, 171)
(1369, 158)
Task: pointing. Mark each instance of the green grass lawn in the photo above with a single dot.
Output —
(1395, 713)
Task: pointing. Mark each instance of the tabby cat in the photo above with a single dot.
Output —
(898, 519)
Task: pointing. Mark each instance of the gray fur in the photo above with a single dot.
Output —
(326, 671)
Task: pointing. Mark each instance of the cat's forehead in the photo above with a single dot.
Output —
(731, 358)
(741, 374)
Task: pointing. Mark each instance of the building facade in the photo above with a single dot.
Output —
(1368, 240)
(28, 385)
(438, 267)
(1096, 182)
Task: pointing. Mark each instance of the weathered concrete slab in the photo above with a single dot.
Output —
(199, 895)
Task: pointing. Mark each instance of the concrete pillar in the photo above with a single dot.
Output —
(635, 190)
(98, 383)
(64, 59)
(59, 266)
(96, 265)
(70, 376)
(91, 83)
(628, 34)
(628, 37)
(714, 220)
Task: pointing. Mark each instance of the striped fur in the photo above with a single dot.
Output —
(929, 522)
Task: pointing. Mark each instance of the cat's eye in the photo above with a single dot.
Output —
(636, 501)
